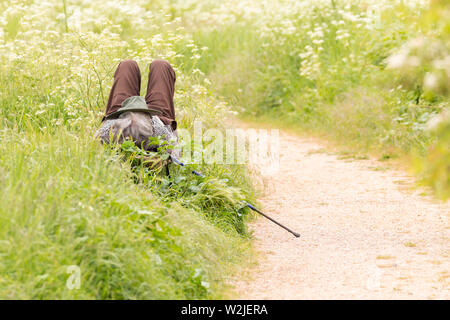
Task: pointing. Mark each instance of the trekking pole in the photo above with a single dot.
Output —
(250, 206)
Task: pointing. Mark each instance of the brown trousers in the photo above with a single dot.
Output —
(160, 88)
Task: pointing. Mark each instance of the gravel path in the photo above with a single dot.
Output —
(364, 233)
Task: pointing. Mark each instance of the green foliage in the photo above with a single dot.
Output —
(67, 202)
(351, 70)
(215, 195)
(435, 168)
(366, 74)
(424, 64)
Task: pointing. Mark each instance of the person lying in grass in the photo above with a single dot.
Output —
(130, 116)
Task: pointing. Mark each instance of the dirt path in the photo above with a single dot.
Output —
(363, 234)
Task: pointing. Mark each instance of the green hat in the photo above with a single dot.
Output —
(134, 103)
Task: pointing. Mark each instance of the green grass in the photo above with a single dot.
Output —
(322, 69)
(319, 67)
(68, 201)
(352, 99)
(65, 201)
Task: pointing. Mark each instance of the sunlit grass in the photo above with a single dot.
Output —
(316, 66)
(66, 200)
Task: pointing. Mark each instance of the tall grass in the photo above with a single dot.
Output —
(327, 67)
(322, 67)
(318, 66)
(66, 200)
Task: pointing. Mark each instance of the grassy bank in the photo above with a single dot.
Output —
(73, 208)
(349, 70)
